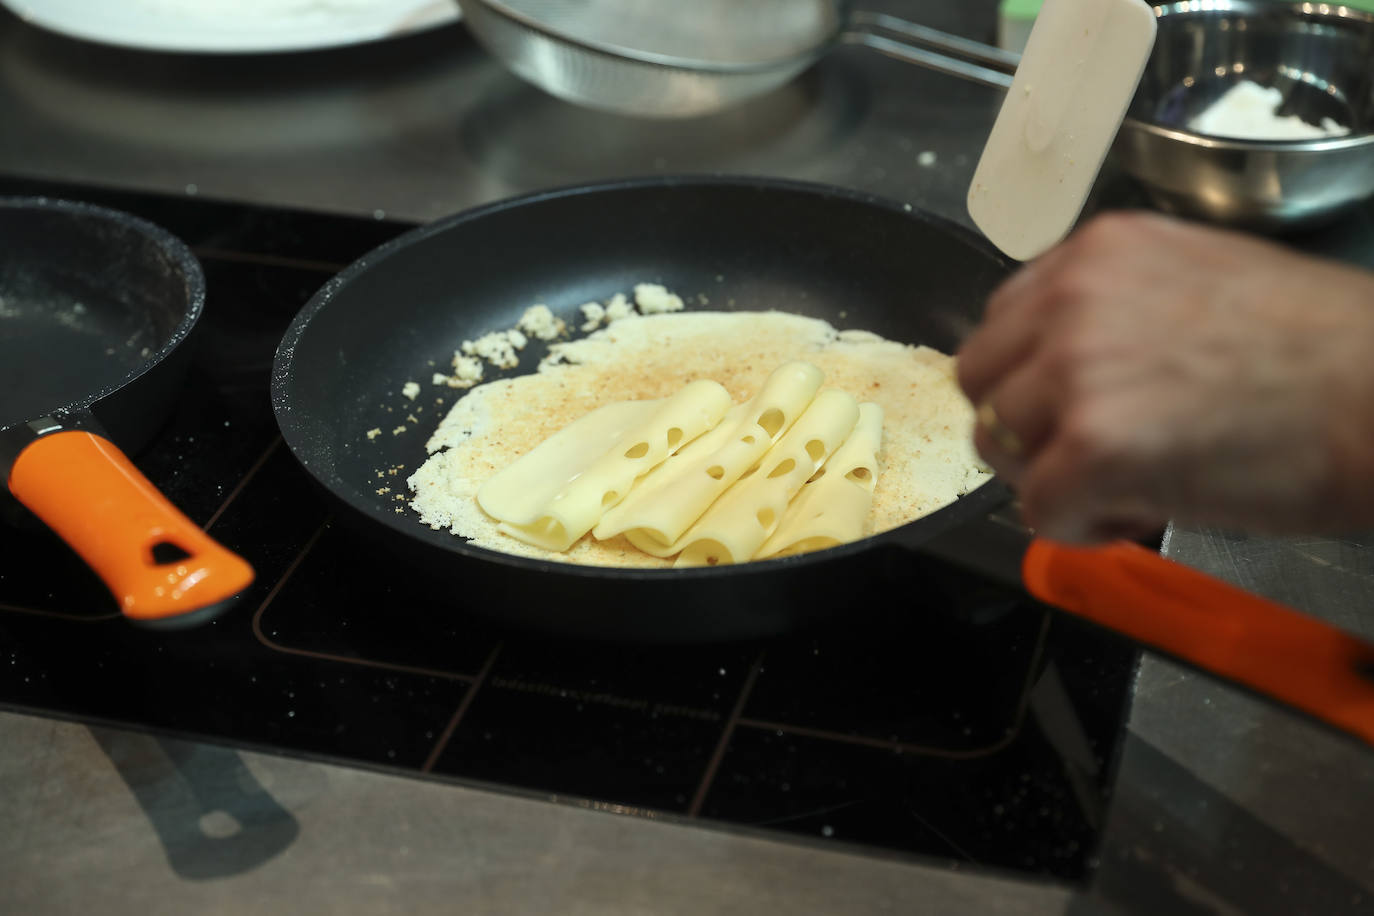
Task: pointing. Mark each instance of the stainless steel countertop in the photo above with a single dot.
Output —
(428, 125)
(1224, 804)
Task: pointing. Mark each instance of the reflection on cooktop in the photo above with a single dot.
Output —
(531, 139)
(982, 735)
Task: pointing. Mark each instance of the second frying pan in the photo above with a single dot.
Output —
(743, 244)
(96, 307)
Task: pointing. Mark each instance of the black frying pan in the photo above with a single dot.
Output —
(750, 244)
(95, 310)
(797, 249)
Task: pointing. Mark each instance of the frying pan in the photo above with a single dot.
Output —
(750, 244)
(95, 310)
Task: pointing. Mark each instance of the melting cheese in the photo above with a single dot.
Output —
(718, 504)
(657, 514)
(833, 507)
(736, 525)
(924, 458)
(556, 493)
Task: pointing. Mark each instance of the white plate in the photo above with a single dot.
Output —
(234, 26)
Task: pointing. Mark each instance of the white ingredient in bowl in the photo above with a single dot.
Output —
(1249, 111)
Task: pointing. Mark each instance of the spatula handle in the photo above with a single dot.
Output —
(1272, 649)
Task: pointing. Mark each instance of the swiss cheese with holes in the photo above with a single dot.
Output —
(832, 508)
(657, 514)
(693, 477)
(734, 527)
(555, 494)
(926, 458)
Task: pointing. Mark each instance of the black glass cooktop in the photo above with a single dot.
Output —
(985, 736)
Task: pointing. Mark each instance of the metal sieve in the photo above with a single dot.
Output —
(678, 60)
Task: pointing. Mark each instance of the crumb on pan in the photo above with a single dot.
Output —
(541, 323)
(654, 299)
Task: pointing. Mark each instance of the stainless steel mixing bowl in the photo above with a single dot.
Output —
(1320, 56)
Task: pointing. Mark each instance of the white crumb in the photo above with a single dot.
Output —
(654, 299)
(592, 313)
(467, 371)
(539, 322)
(497, 348)
(619, 307)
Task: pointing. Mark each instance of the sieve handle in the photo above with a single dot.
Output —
(932, 49)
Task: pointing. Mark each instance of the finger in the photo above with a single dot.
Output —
(1009, 465)
(1027, 277)
(1016, 419)
(1027, 403)
(1070, 494)
(1012, 325)
(1127, 527)
(1057, 498)
(993, 351)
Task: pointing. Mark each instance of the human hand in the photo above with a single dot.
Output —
(1153, 369)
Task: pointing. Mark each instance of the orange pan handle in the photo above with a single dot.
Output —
(84, 488)
(1270, 648)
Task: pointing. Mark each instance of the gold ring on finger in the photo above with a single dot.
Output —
(1006, 440)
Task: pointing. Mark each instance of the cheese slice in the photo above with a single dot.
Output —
(519, 492)
(552, 496)
(832, 508)
(665, 503)
(737, 524)
(1082, 63)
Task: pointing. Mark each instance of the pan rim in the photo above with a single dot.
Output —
(980, 500)
(173, 247)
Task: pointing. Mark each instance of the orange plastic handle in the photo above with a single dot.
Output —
(1266, 646)
(84, 488)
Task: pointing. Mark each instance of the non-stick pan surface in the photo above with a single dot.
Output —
(743, 244)
(94, 303)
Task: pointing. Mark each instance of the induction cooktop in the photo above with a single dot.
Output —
(983, 737)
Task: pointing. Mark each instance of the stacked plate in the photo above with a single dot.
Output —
(234, 26)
